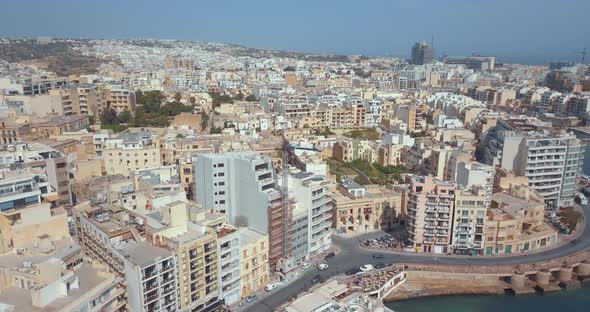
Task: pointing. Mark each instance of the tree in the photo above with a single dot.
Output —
(124, 116)
(177, 97)
(251, 98)
(289, 69)
(239, 96)
(193, 100)
(110, 117)
(204, 121)
(91, 120)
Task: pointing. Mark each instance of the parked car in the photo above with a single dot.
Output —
(322, 266)
(305, 265)
(379, 265)
(316, 279)
(367, 268)
(272, 286)
(329, 256)
(378, 256)
(250, 298)
(353, 271)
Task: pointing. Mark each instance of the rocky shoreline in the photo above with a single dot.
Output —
(434, 288)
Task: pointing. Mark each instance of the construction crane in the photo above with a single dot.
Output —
(583, 54)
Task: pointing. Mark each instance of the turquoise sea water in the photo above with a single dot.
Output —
(562, 301)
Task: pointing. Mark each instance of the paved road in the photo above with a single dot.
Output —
(351, 256)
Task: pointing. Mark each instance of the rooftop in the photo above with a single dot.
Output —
(142, 254)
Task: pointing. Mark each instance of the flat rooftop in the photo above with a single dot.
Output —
(142, 254)
(89, 278)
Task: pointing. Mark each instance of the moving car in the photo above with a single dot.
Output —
(329, 256)
(305, 265)
(322, 266)
(316, 279)
(272, 286)
(367, 268)
(352, 271)
(379, 265)
(250, 298)
(378, 256)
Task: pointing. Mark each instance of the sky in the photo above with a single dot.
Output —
(526, 31)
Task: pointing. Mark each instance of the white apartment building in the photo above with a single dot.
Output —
(243, 187)
(151, 276)
(551, 160)
(312, 197)
(229, 264)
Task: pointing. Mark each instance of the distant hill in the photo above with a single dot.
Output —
(59, 57)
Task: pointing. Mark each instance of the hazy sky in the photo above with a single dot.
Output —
(515, 30)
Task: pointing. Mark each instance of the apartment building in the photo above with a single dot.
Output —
(471, 207)
(85, 99)
(364, 209)
(197, 267)
(515, 222)
(117, 97)
(21, 226)
(130, 151)
(58, 125)
(351, 149)
(22, 188)
(193, 238)
(148, 272)
(430, 207)
(58, 176)
(407, 114)
(151, 276)
(311, 196)
(44, 284)
(229, 263)
(254, 267)
(474, 173)
(242, 186)
(550, 160)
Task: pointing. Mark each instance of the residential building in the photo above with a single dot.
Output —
(254, 267)
(243, 187)
(471, 207)
(228, 242)
(550, 160)
(130, 151)
(430, 207)
(311, 195)
(364, 209)
(515, 222)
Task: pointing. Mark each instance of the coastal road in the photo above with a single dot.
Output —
(351, 256)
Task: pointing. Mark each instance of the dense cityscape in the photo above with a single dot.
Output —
(168, 175)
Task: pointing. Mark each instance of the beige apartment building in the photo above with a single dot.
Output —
(430, 205)
(254, 267)
(469, 220)
(363, 209)
(23, 226)
(117, 97)
(197, 254)
(515, 222)
(85, 99)
(123, 161)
